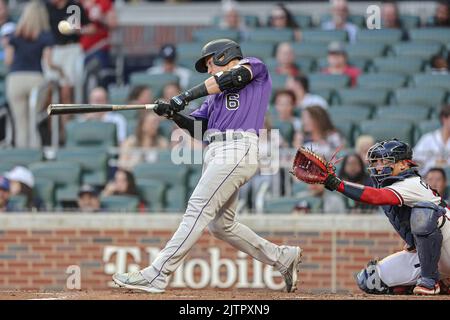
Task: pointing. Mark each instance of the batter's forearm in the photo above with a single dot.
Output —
(368, 195)
(190, 124)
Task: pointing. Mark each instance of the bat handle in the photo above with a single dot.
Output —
(150, 106)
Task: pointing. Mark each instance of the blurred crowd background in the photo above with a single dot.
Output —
(335, 83)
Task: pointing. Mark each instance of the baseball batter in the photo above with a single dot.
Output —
(416, 212)
(238, 94)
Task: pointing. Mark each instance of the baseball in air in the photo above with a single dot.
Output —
(64, 27)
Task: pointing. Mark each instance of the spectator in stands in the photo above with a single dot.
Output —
(96, 46)
(354, 170)
(339, 19)
(4, 13)
(168, 54)
(5, 206)
(68, 54)
(100, 96)
(436, 178)
(27, 47)
(363, 144)
(88, 199)
(330, 202)
(123, 184)
(433, 148)
(232, 21)
(285, 57)
(300, 86)
(441, 16)
(284, 102)
(21, 183)
(390, 17)
(281, 18)
(170, 90)
(318, 132)
(439, 65)
(6, 31)
(337, 63)
(145, 137)
(140, 95)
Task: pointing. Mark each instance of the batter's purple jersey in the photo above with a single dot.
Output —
(244, 109)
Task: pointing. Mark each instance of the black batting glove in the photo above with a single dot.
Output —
(179, 102)
(163, 109)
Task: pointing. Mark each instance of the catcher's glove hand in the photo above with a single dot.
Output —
(311, 168)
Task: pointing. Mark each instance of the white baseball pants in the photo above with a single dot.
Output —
(227, 166)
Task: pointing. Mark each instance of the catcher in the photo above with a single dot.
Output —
(416, 212)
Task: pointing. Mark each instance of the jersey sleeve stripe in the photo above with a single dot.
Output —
(398, 195)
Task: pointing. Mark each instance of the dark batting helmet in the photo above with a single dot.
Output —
(222, 51)
(391, 151)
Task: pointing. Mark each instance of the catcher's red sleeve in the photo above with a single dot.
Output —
(369, 195)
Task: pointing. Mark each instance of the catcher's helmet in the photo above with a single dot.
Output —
(222, 50)
(391, 151)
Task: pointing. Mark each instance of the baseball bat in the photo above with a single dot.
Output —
(55, 109)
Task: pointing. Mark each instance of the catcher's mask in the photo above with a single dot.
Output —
(383, 155)
(222, 51)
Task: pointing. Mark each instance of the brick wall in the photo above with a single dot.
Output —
(37, 255)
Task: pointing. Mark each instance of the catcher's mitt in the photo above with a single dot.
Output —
(312, 168)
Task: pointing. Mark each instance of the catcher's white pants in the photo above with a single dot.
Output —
(227, 166)
(403, 268)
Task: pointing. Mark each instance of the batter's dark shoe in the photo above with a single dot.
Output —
(424, 291)
(135, 281)
(291, 274)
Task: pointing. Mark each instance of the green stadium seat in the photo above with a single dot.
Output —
(44, 190)
(382, 129)
(327, 94)
(424, 127)
(286, 130)
(197, 78)
(189, 50)
(271, 35)
(18, 202)
(310, 50)
(278, 81)
(346, 128)
(324, 36)
(298, 187)
(387, 81)
(430, 97)
(280, 205)
(66, 175)
(119, 203)
(414, 114)
(20, 156)
(409, 21)
(261, 50)
(384, 36)
(195, 172)
(362, 96)
(169, 173)
(166, 128)
(432, 81)
(91, 134)
(362, 63)
(131, 126)
(304, 21)
(422, 50)
(152, 192)
(118, 95)
(399, 65)
(6, 166)
(365, 50)
(176, 199)
(155, 81)
(94, 163)
(207, 34)
(430, 34)
(320, 81)
(350, 113)
(306, 65)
